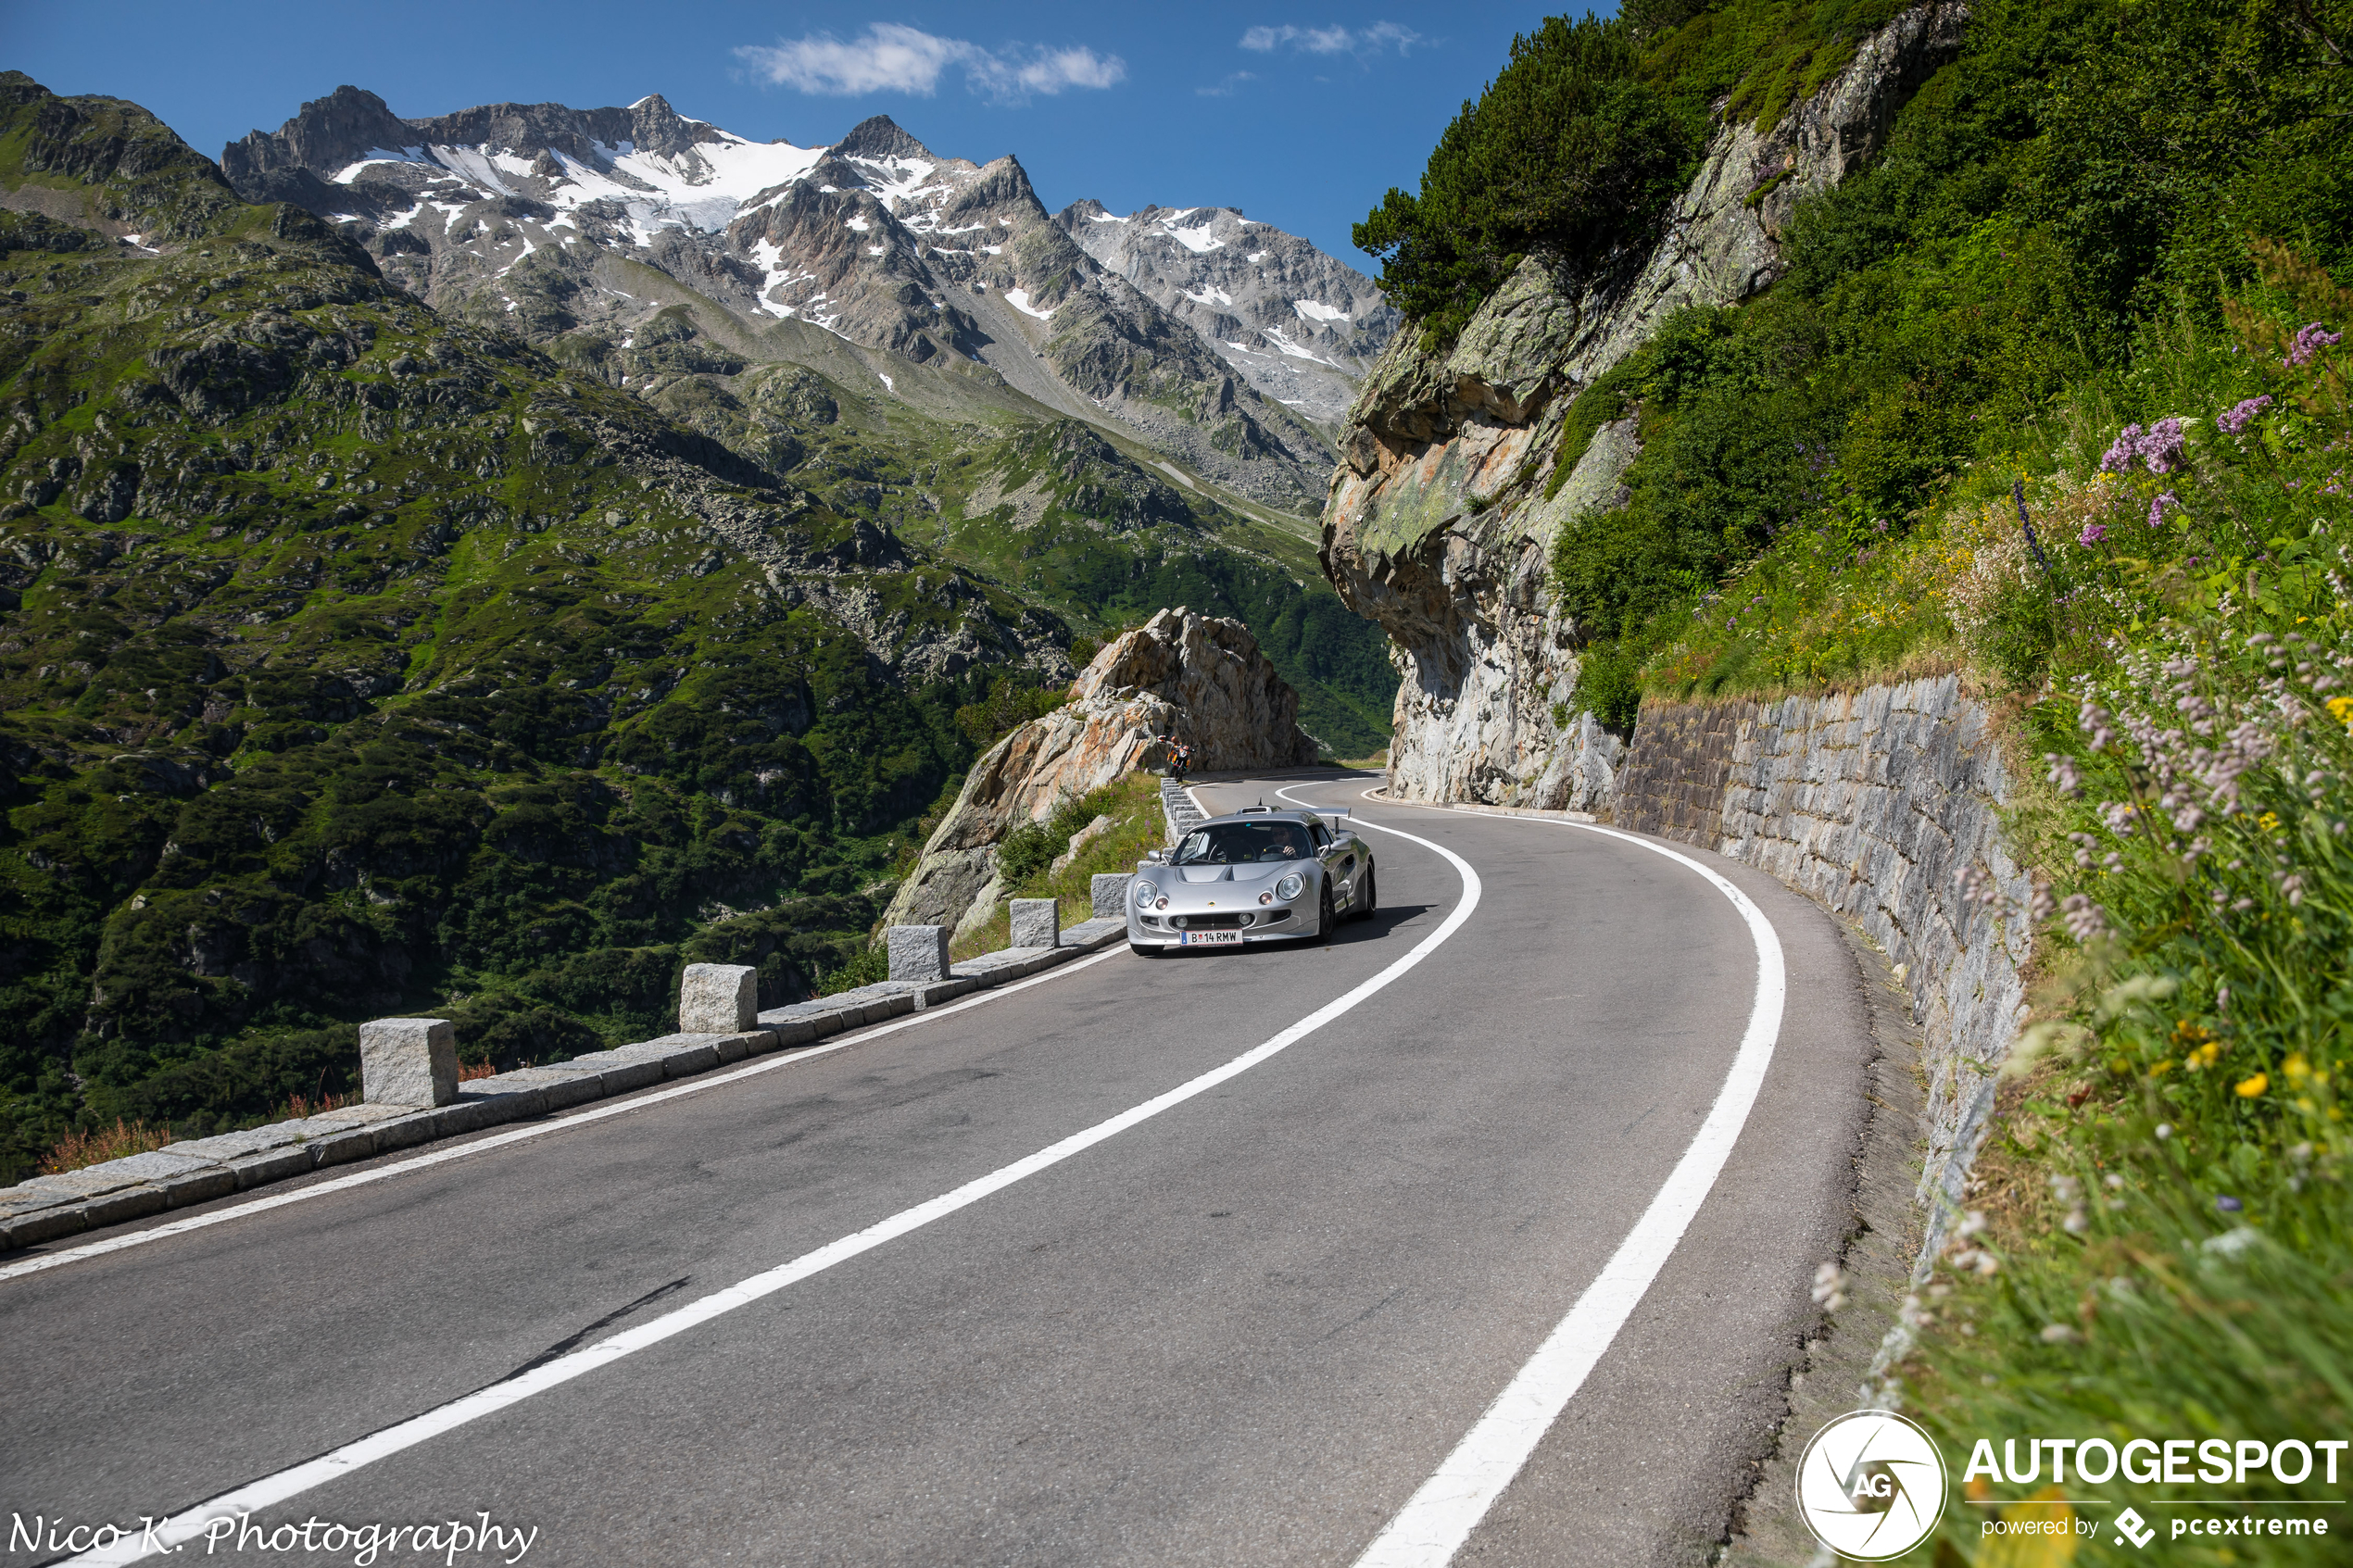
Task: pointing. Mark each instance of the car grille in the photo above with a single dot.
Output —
(1226, 923)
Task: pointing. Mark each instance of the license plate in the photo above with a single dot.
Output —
(1207, 938)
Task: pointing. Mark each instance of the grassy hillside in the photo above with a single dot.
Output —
(1064, 513)
(354, 662)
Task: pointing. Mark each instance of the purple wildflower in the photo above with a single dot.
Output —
(2120, 456)
(2086, 921)
(2064, 776)
(2310, 340)
(2156, 508)
(2159, 446)
(2236, 417)
(2093, 533)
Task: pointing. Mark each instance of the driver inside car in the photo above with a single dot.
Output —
(1242, 844)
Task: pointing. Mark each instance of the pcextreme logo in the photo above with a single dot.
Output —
(1870, 1486)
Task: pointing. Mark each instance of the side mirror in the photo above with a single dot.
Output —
(1156, 857)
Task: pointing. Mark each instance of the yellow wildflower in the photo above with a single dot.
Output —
(2255, 1085)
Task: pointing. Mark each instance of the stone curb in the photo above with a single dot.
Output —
(1177, 810)
(49, 1208)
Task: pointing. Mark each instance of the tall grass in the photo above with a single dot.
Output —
(1133, 806)
(2158, 1242)
(124, 1138)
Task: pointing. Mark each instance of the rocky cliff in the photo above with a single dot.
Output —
(1198, 680)
(1444, 509)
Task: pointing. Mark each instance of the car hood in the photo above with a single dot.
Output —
(1195, 876)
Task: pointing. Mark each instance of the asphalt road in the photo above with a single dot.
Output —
(1245, 1329)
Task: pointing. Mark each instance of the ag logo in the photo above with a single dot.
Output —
(1870, 1486)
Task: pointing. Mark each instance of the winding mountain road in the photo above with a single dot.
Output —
(1215, 1259)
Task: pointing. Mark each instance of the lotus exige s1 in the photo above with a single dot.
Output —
(1258, 875)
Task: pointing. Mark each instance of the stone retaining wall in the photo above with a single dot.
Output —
(1874, 803)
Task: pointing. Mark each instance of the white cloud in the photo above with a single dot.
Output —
(889, 57)
(1335, 40)
(1045, 71)
(1225, 89)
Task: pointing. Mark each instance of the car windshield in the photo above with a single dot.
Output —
(1243, 844)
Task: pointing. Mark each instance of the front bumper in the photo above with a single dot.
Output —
(1157, 928)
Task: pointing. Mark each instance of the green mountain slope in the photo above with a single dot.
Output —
(355, 660)
(1095, 527)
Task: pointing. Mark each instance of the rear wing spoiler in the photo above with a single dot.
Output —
(1334, 815)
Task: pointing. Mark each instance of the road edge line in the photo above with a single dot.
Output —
(1438, 1519)
(42, 1262)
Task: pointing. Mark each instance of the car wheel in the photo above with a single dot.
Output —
(1326, 918)
(1367, 896)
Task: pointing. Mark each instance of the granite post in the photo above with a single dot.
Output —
(1038, 923)
(918, 952)
(1109, 889)
(408, 1061)
(718, 998)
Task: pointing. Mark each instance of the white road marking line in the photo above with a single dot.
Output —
(269, 1490)
(790, 1057)
(1438, 1518)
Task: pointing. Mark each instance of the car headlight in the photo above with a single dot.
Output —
(1145, 894)
(1291, 886)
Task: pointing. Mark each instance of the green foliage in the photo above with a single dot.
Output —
(1007, 708)
(1758, 56)
(1136, 827)
(1028, 851)
(1609, 398)
(1569, 152)
(2163, 1239)
(1574, 149)
(2042, 222)
(868, 966)
(1608, 687)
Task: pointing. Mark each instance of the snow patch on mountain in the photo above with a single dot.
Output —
(526, 209)
(1299, 326)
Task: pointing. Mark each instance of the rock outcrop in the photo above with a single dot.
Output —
(1193, 678)
(1459, 585)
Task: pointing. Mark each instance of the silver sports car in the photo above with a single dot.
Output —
(1258, 875)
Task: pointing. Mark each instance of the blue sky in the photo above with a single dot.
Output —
(1300, 115)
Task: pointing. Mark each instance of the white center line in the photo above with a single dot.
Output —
(272, 1489)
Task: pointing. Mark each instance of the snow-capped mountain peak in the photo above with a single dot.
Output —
(1299, 325)
(538, 214)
